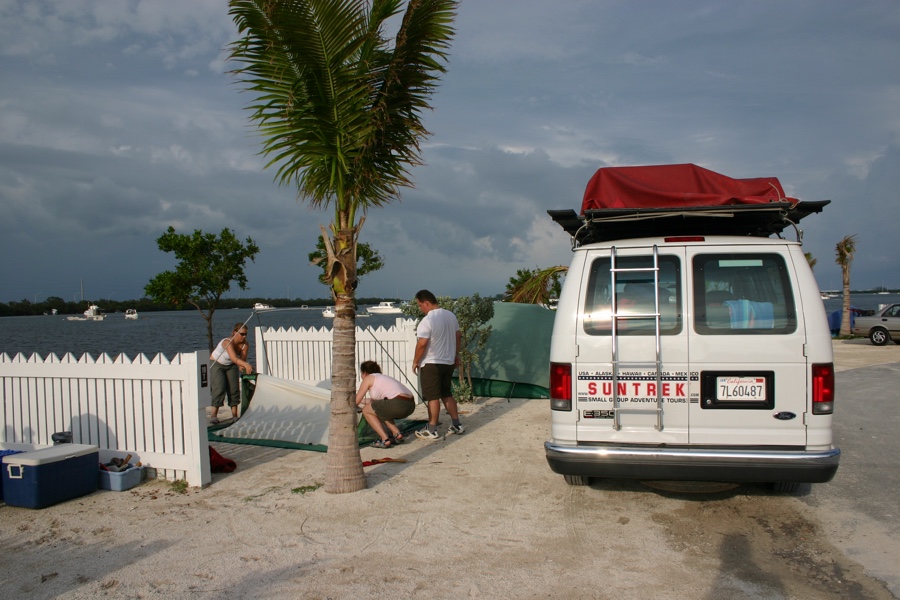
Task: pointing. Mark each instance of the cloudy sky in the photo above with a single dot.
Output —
(118, 119)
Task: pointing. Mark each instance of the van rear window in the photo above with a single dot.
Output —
(636, 295)
(742, 294)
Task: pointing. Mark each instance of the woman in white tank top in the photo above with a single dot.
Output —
(228, 359)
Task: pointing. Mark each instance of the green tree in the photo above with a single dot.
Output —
(207, 265)
(472, 313)
(844, 251)
(535, 287)
(368, 260)
(339, 106)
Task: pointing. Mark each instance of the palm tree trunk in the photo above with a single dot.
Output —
(845, 307)
(344, 471)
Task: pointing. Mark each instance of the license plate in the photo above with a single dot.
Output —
(741, 389)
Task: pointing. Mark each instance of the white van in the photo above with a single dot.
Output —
(690, 356)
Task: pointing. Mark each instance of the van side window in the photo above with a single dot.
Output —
(742, 294)
(636, 295)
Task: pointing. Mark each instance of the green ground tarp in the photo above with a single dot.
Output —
(516, 361)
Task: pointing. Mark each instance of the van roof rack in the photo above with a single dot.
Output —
(760, 220)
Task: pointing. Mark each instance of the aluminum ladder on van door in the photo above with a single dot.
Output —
(614, 270)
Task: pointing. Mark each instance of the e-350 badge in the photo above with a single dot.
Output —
(598, 414)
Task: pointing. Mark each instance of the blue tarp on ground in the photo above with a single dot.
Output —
(835, 318)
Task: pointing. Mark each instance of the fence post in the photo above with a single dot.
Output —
(197, 390)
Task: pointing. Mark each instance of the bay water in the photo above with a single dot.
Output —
(171, 332)
(166, 332)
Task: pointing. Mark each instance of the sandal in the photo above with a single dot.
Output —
(382, 443)
(398, 439)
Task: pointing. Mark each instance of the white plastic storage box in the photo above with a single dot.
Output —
(121, 481)
(50, 475)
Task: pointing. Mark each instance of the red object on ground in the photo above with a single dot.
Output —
(670, 186)
(378, 461)
(220, 464)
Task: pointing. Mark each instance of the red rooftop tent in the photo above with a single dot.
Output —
(671, 186)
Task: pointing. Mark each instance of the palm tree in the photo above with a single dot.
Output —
(844, 256)
(340, 108)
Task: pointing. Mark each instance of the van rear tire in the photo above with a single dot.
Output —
(577, 479)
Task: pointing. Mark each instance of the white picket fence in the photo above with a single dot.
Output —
(155, 409)
(305, 354)
(149, 408)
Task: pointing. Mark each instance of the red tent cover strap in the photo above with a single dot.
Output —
(671, 186)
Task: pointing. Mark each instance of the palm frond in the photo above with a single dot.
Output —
(338, 108)
(844, 250)
(536, 289)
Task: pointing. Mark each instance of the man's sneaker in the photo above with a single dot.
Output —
(424, 434)
(457, 429)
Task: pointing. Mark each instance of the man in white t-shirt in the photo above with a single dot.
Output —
(437, 355)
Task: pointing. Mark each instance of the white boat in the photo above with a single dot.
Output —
(328, 312)
(384, 308)
(261, 306)
(131, 314)
(91, 314)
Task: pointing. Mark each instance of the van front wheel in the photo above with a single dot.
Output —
(879, 336)
(577, 479)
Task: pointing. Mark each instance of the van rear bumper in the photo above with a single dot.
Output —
(693, 464)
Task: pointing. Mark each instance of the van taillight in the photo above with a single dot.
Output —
(823, 389)
(561, 386)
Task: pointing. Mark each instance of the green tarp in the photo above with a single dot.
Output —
(516, 361)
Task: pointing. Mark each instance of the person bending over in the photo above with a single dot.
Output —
(388, 399)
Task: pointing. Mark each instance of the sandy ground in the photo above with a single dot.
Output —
(472, 516)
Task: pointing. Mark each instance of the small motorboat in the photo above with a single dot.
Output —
(131, 314)
(328, 312)
(91, 314)
(384, 308)
(260, 306)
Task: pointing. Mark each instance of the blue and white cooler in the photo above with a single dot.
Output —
(48, 476)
